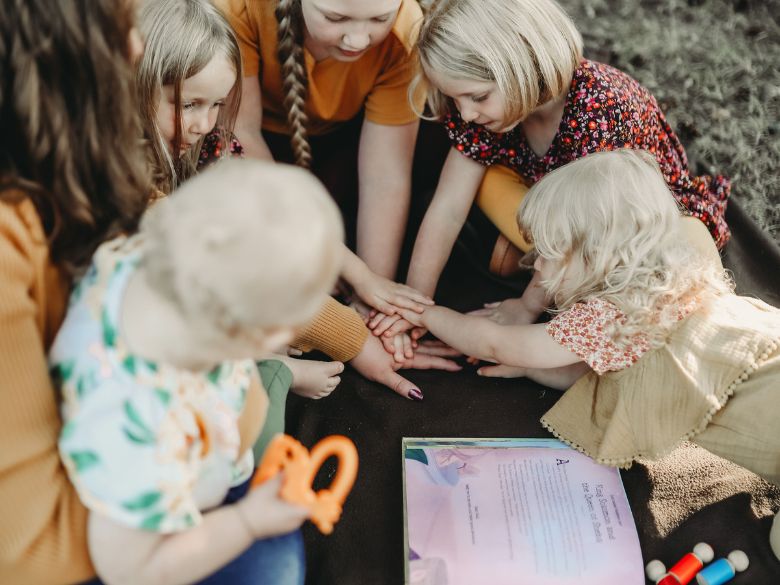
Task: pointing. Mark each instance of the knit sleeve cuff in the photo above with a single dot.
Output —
(337, 331)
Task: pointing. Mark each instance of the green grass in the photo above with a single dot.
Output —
(714, 67)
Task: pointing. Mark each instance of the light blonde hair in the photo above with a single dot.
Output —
(182, 37)
(295, 82)
(529, 48)
(263, 254)
(612, 229)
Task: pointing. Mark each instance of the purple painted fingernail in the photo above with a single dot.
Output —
(415, 394)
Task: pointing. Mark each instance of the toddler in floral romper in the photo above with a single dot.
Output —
(156, 363)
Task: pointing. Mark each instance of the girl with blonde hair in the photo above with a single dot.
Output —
(647, 334)
(190, 85)
(518, 100)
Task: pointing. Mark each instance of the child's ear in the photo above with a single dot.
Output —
(135, 45)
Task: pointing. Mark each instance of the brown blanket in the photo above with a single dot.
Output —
(688, 497)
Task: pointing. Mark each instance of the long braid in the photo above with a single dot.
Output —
(294, 79)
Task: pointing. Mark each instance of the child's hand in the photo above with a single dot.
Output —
(508, 312)
(400, 346)
(387, 296)
(430, 355)
(381, 323)
(266, 514)
(413, 319)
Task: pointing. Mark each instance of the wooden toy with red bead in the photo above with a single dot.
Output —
(684, 570)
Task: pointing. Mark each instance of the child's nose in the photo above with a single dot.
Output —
(467, 112)
(200, 125)
(356, 40)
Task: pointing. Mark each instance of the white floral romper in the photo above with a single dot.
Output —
(146, 444)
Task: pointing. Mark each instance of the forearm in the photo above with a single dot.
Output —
(432, 249)
(528, 346)
(468, 334)
(249, 122)
(154, 559)
(384, 183)
(454, 196)
(381, 224)
(353, 269)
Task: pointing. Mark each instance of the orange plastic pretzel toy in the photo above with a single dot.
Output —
(286, 454)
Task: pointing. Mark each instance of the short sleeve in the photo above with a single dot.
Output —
(388, 101)
(584, 330)
(127, 454)
(246, 27)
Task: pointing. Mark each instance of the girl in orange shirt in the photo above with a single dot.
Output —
(321, 76)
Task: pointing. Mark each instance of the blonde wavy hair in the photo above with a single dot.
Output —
(263, 254)
(611, 228)
(182, 37)
(529, 48)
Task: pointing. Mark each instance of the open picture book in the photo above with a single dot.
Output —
(514, 511)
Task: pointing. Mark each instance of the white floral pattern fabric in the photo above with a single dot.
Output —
(585, 329)
(144, 443)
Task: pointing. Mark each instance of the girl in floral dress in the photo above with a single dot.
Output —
(648, 336)
(162, 400)
(518, 100)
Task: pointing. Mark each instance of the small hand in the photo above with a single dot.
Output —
(266, 514)
(422, 361)
(414, 319)
(401, 346)
(387, 296)
(379, 323)
(508, 312)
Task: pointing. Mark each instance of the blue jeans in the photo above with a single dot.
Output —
(272, 561)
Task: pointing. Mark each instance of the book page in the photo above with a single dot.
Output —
(513, 512)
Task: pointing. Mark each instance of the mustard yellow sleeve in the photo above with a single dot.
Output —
(43, 527)
(246, 25)
(337, 331)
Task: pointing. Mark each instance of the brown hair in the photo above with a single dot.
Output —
(294, 79)
(182, 37)
(71, 139)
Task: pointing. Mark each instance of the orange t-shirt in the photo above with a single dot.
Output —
(337, 90)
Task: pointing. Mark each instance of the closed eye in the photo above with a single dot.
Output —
(479, 98)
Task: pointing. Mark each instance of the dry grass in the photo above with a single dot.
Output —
(713, 66)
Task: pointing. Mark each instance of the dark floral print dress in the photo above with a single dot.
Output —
(212, 148)
(605, 109)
